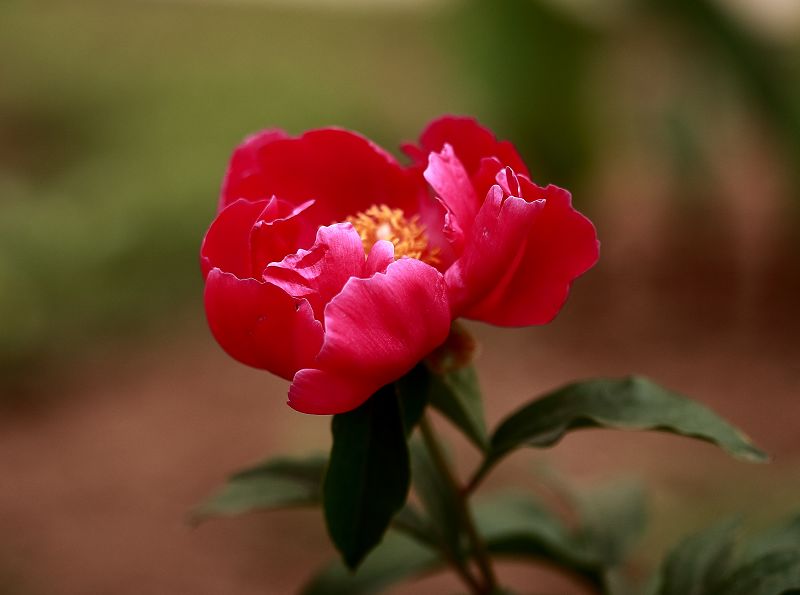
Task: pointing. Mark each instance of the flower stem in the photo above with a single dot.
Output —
(477, 545)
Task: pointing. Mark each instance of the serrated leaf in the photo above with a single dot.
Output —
(276, 483)
(776, 573)
(397, 558)
(368, 476)
(700, 562)
(457, 395)
(632, 403)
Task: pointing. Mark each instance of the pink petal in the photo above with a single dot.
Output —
(454, 189)
(380, 257)
(320, 273)
(226, 244)
(260, 325)
(377, 329)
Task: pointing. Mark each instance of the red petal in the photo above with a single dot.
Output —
(243, 180)
(377, 329)
(559, 245)
(471, 143)
(260, 325)
(342, 171)
(226, 245)
(491, 251)
(281, 229)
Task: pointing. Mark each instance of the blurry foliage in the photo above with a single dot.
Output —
(117, 120)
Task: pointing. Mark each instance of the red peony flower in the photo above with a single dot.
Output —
(331, 265)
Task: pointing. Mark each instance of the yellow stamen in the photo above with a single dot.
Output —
(379, 222)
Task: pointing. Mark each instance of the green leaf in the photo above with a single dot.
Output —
(457, 395)
(438, 498)
(397, 558)
(519, 526)
(776, 573)
(700, 562)
(412, 390)
(411, 522)
(368, 475)
(783, 537)
(277, 483)
(612, 519)
(632, 403)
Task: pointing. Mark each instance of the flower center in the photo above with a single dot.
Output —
(379, 222)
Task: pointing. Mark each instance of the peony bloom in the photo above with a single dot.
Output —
(333, 266)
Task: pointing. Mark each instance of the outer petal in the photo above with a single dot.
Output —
(320, 273)
(492, 251)
(260, 325)
(470, 141)
(243, 180)
(559, 245)
(227, 242)
(377, 329)
(342, 171)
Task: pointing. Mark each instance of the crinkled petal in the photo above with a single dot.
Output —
(377, 329)
(560, 245)
(320, 273)
(260, 325)
(492, 250)
(471, 143)
(281, 230)
(453, 188)
(226, 244)
(342, 171)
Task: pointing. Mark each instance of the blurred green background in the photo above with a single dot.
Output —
(676, 123)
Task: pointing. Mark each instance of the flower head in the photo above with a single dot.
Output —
(335, 267)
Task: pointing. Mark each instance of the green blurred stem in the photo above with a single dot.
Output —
(477, 478)
(477, 545)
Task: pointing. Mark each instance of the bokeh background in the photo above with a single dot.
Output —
(676, 124)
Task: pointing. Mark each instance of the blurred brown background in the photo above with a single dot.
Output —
(676, 123)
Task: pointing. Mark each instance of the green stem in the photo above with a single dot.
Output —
(477, 545)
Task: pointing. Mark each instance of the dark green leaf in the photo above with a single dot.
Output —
(519, 526)
(397, 558)
(413, 389)
(632, 403)
(456, 394)
(438, 498)
(700, 562)
(277, 483)
(776, 573)
(368, 475)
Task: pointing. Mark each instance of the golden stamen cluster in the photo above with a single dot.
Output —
(379, 222)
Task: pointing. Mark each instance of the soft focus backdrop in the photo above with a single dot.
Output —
(676, 123)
